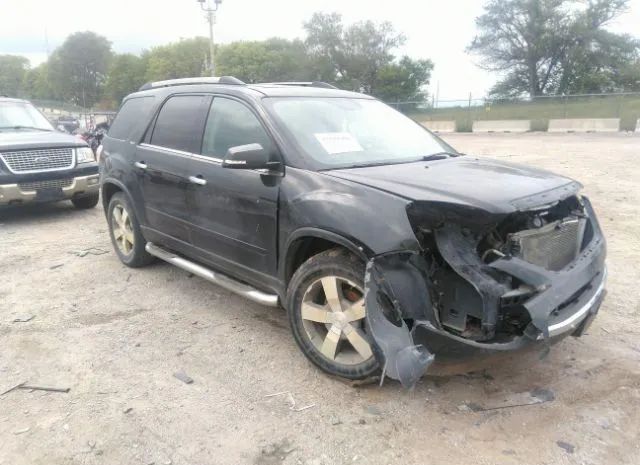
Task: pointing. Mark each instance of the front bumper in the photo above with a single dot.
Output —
(398, 289)
(48, 190)
(574, 320)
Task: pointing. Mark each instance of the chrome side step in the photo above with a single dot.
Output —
(217, 278)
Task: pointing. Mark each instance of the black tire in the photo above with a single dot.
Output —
(136, 256)
(343, 265)
(86, 202)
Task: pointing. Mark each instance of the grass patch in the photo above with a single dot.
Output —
(540, 111)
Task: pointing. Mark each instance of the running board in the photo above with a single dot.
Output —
(221, 280)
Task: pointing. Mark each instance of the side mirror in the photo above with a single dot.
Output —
(248, 157)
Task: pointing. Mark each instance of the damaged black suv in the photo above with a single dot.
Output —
(388, 248)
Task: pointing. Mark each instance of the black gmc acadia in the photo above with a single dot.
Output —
(388, 248)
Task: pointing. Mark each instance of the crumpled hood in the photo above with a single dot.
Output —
(19, 140)
(491, 185)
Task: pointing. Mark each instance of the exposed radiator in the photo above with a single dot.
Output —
(552, 246)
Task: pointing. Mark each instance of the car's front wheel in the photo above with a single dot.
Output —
(325, 306)
(125, 233)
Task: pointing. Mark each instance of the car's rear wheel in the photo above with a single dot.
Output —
(125, 233)
(325, 305)
(86, 202)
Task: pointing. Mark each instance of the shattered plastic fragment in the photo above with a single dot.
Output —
(388, 280)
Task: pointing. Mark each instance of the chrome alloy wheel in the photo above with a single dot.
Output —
(122, 229)
(333, 314)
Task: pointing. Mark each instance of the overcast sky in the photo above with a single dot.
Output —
(435, 29)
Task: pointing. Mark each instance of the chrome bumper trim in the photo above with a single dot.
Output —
(574, 320)
(12, 193)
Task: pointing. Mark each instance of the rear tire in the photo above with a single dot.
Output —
(86, 202)
(125, 233)
(330, 331)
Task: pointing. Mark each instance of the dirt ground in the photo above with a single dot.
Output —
(116, 336)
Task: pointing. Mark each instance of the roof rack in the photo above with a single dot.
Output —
(324, 85)
(228, 80)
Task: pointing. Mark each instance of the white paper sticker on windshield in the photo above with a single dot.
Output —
(338, 142)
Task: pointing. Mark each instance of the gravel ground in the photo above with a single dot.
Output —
(116, 336)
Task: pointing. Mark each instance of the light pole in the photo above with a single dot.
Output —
(210, 10)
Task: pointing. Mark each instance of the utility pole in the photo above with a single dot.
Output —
(210, 10)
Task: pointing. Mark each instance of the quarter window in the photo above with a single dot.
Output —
(131, 119)
(230, 123)
(179, 123)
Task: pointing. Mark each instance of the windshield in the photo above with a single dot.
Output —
(344, 132)
(21, 115)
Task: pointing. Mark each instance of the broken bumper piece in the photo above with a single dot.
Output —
(396, 289)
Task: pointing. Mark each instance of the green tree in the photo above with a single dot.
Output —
(126, 74)
(629, 77)
(13, 70)
(186, 58)
(361, 57)
(78, 68)
(270, 60)
(552, 46)
(403, 81)
(355, 53)
(37, 84)
(596, 59)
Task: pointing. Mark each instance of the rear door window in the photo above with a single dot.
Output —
(180, 123)
(132, 119)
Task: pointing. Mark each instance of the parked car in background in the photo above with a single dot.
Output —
(40, 164)
(387, 247)
(68, 124)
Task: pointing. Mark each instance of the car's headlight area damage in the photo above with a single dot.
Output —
(484, 283)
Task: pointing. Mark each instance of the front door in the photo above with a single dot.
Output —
(162, 164)
(234, 211)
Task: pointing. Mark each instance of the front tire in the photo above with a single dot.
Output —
(125, 233)
(86, 202)
(325, 307)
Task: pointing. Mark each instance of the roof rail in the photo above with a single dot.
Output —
(324, 85)
(229, 80)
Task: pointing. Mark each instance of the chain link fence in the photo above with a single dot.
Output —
(539, 110)
(625, 106)
(86, 118)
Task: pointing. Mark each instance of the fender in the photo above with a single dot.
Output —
(126, 191)
(290, 249)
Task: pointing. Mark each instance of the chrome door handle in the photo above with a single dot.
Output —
(140, 164)
(198, 180)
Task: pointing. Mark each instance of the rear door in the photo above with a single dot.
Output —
(162, 164)
(234, 211)
(119, 145)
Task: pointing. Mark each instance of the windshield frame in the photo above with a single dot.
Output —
(311, 162)
(43, 125)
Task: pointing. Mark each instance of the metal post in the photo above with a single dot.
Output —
(470, 119)
(211, 18)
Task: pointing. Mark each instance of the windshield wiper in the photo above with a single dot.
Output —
(25, 127)
(368, 165)
(434, 156)
(440, 156)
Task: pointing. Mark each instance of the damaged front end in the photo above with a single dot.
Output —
(484, 283)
